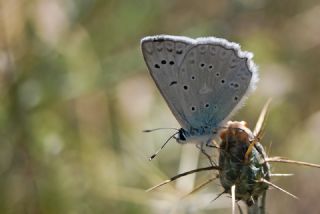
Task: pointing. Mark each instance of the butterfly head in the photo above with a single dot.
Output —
(193, 135)
(181, 136)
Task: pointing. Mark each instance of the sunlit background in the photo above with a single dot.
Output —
(75, 95)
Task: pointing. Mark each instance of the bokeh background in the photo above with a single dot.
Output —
(75, 95)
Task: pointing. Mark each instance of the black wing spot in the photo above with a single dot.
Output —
(179, 51)
(173, 83)
(193, 77)
(169, 49)
(157, 66)
(223, 81)
(235, 98)
(171, 62)
(193, 108)
(185, 87)
(163, 62)
(210, 66)
(234, 85)
(217, 74)
(202, 65)
(207, 105)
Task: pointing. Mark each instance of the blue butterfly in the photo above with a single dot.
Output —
(204, 81)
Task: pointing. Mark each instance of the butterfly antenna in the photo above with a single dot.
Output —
(152, 130)
(155, 154)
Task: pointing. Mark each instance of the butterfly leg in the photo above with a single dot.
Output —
(212, 144)
(202, 149)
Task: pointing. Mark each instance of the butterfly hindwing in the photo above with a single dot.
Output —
(214, 81)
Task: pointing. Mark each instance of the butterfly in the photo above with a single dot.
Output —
(204, 81)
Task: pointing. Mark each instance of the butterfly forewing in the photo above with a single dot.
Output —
(202, 80)
(163, 56)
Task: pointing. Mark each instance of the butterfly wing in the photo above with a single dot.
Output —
(203, 81)
(163, 56)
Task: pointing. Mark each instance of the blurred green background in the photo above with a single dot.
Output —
(75, 94)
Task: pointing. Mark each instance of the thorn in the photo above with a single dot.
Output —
(280, 175)
(278, 188)
(201, 185)
(218, 196)
(159, 185)
(183, 174)
(284, 160)
(233, 196)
